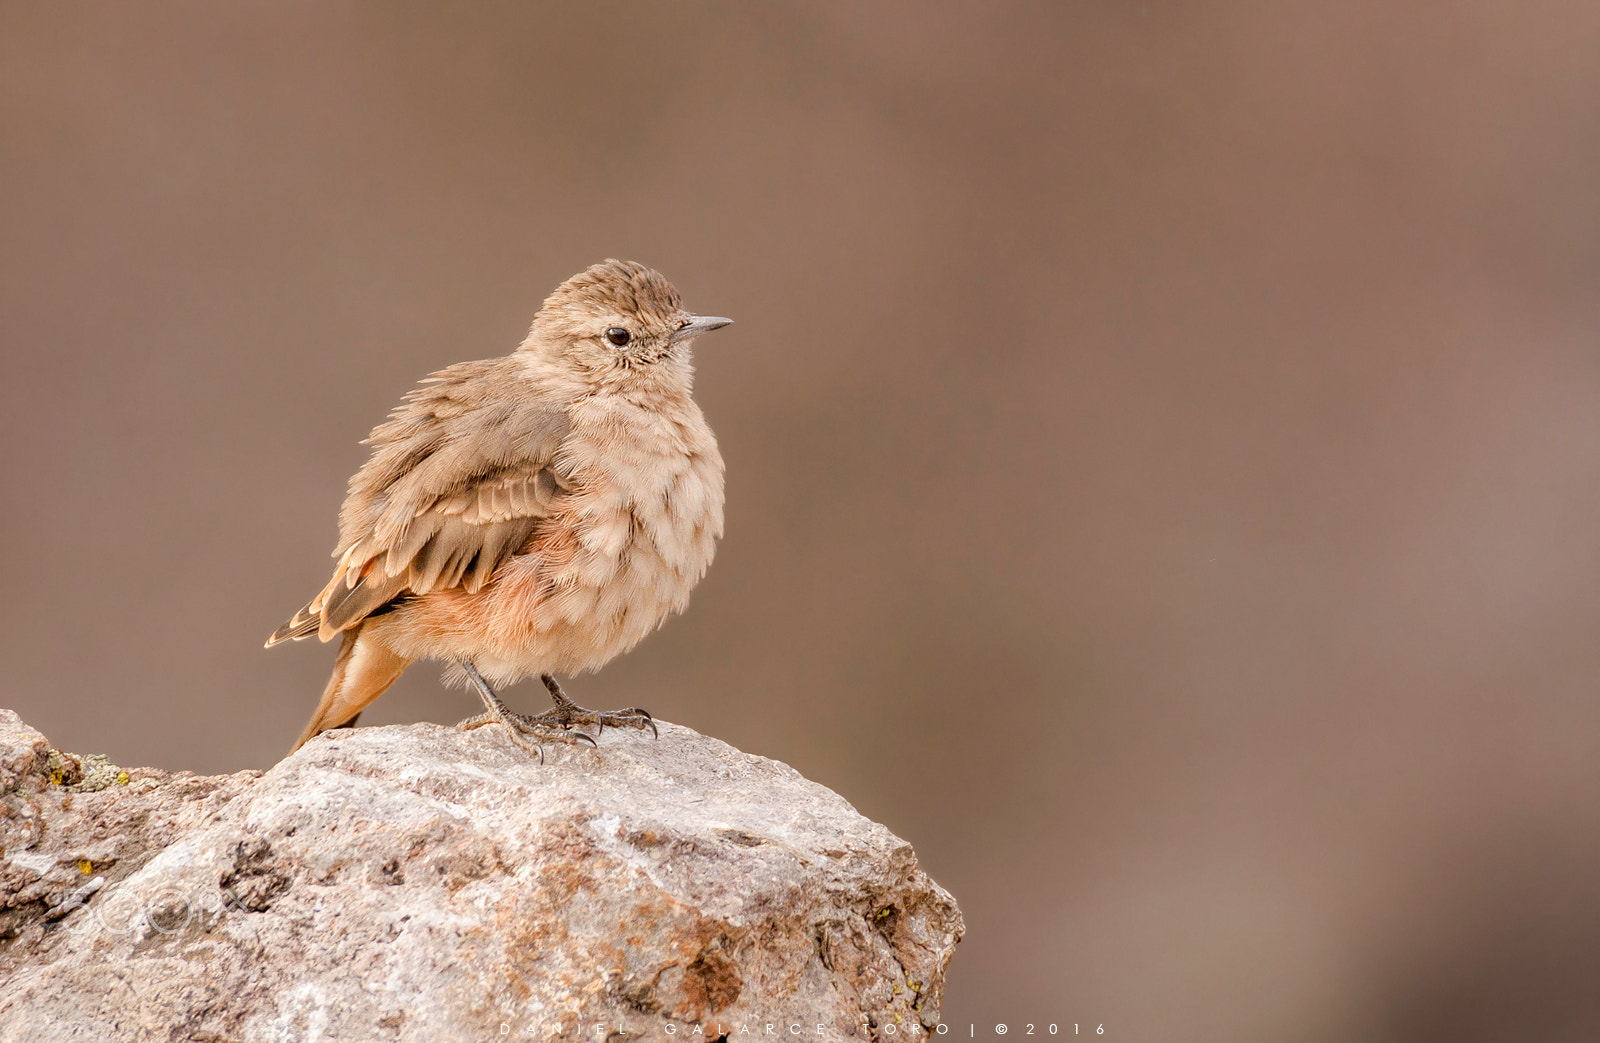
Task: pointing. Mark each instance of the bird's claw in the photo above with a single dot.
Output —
(557, 724)
(566, 713)
(520, 725)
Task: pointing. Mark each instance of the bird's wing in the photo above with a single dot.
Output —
(462, 474)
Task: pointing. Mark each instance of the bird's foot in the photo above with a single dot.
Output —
(517, 725)
(567, 714)
(520, 725)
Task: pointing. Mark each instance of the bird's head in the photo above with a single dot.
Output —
(618, 322)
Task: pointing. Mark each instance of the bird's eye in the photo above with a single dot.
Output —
(618, 336)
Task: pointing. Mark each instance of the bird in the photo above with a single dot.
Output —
(538, 513)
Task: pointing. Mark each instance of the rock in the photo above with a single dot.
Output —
(420, 883)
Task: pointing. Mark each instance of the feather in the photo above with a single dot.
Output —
(459, 481)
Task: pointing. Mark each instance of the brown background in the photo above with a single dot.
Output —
(1162, 442)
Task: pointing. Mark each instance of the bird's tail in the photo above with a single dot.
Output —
(299, 626)
(364, 670)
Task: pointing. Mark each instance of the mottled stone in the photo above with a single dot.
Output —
(419, 883)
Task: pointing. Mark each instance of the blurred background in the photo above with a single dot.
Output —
(1163, 445)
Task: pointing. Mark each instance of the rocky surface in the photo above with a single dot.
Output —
(419, 883)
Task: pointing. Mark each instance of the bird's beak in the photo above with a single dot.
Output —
(697, 325)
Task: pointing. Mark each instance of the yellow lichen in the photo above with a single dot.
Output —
(85, 774)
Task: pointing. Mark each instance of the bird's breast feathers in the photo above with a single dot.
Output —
(649, 485)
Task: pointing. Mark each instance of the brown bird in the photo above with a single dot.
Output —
(537, 513)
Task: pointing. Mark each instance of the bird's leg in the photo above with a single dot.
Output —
(568, 713)
(517, 724)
